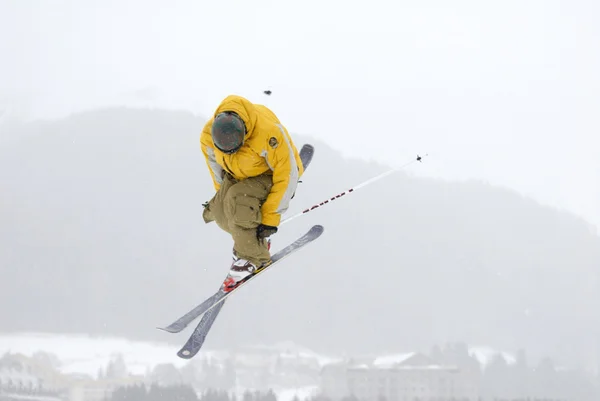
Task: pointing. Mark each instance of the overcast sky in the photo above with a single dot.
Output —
(504, 91)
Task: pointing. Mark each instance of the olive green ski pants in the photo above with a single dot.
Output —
(236, 208)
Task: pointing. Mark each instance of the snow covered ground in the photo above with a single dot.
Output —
(87, 355)
(84, 354)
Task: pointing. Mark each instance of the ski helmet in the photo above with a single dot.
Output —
(228, 131)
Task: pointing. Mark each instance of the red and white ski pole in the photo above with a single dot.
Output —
(363, 184)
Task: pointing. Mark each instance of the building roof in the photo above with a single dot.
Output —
(406, 361)
(389, 361)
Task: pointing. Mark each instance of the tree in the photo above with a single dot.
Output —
(545, 379)
(166, 374)
(116, 368)
(496, 381)
(228, 378)
(436, 354)
(173, 392)
(521, 376)
(248, 396)
(129, 393)
(269, 396)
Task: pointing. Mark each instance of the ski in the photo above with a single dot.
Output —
(196, 340)
(306, 155)
(181, 323)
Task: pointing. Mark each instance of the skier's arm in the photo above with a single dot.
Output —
(281, 159)
(208, 150)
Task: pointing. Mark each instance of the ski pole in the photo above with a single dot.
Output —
(363, 184)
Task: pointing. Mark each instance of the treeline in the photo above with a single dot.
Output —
(503, 379)
(183, 393)
(154, 393)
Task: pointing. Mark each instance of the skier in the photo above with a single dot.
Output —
(255, 168)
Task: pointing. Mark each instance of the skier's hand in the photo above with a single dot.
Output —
(264, 231)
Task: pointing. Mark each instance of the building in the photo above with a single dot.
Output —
(37, 379)
(406, 377)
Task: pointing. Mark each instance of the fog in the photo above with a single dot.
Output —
(504, 92)
(484, 257)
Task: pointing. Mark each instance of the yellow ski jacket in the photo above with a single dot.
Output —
(267, 149)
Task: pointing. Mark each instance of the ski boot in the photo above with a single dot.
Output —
(242, 269)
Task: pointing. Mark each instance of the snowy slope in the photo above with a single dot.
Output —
(84, 354)
(87, 355)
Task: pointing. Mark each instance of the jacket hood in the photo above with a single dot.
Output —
(243, 108)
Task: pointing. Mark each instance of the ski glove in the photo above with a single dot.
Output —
(264, 231)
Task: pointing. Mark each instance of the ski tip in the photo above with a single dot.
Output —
(169, 329)
(307, 147)
(306, 155)
(317, 229)
(185, 353)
